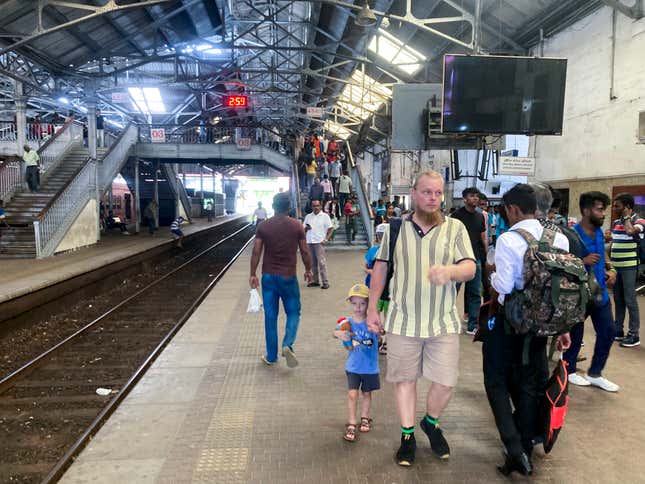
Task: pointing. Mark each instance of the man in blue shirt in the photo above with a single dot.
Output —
(592, 208)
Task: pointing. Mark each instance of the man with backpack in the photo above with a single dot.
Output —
(514, 357)
(429, 255)
(627, 247)
(592, 208)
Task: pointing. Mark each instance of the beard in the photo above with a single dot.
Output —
(431, 218)
(597, 222)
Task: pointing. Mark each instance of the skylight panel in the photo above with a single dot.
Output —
(364, 96)
(147, 100)
(392, 50)
(337, 129)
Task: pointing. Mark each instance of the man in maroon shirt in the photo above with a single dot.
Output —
(280, 237)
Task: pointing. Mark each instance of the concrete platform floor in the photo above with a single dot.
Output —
(210, 412)
(21, 276)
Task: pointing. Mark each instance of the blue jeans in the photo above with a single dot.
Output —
(603, 324)
(473, 296)
(274, 288)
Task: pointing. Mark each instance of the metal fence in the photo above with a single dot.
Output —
(10, 179)
(241, 136)
(55, 148)
(53, 223)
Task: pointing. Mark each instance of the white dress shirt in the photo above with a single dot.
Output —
(319, 224)
(509, 256)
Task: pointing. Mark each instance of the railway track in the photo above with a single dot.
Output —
(50, 407)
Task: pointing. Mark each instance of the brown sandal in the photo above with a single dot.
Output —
(350, 433)
(366, 424)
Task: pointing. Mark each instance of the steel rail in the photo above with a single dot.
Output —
(64, 462)
(8, 382)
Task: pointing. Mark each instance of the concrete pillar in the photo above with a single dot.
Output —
(177, 195)
(213, 180)
(21, 127)
(156, 192)
(201, 185)
(137, 199)
(110, 198)
(90, 104)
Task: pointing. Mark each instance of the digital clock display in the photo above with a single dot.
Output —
(236, 101)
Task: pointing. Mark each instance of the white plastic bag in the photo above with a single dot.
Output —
(255, 304)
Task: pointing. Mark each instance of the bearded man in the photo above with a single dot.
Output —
(430, 255)
(592, 208)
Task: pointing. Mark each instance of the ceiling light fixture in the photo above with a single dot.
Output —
(365, 17)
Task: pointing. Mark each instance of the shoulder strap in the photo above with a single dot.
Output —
(528, 237)
(395, 228)
(547, 240)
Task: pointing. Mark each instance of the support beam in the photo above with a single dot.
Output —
(634, 12)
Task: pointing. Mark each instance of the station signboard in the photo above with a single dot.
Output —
(314, 112)
(516, 165)
(119, 97)
(243, 144)
(158, 135)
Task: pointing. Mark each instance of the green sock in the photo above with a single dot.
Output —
(407, 430)
(432, 421)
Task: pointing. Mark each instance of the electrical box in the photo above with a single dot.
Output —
(641, 127)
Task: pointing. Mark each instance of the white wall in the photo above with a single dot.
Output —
(599, 135)
(84, 231)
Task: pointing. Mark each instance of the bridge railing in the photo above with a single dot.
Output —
(240, 136)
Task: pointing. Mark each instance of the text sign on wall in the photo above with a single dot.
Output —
(314, 112)
(119, 97)
(516, 165)
(244, 143)
(158, 135)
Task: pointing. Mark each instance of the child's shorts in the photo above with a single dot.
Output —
(177, 233)
(364, 382)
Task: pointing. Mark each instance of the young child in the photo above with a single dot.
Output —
(370, 258)
(175, 229)
(362, 361)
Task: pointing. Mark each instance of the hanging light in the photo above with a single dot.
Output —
(365, 17)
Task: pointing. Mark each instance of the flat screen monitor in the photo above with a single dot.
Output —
(503, 95)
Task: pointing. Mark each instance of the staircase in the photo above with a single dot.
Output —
(18, 241)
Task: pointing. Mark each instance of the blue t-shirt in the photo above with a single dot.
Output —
(370, 257)
(380, 210)
(363, 359)
(595, 246)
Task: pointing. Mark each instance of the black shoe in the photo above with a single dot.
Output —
(405, 454)
(520, 464)
(630, 341)
(437, 441)
(324, 286)
(620, 335)
(313, 284)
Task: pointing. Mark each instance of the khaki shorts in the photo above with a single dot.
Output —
(436, 358)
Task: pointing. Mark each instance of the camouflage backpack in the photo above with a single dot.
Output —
(556, 289)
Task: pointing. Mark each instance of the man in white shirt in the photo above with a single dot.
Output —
(503, 350)
(260, 214)
(318, 230)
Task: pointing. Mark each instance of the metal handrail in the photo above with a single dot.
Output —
(52, 224)
(10, 177)
(367, 212)
(56, 147)
(116, 155)
(177, 187)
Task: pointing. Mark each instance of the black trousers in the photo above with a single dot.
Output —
(514, 389)
(33, 178)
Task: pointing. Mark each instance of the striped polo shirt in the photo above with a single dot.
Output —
(418, 308)
(624, 249)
